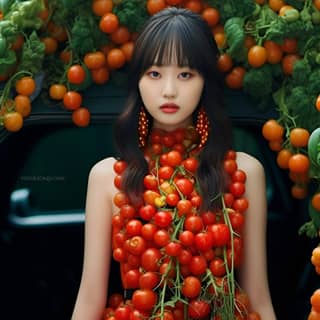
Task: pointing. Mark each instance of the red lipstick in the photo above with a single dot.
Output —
(169, 108)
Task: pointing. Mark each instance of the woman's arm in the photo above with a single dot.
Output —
(92, 295)
(253, 272)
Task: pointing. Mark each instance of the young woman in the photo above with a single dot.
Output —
(176, 168)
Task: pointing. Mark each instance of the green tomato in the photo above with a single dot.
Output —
(291, 15)
(315, 17)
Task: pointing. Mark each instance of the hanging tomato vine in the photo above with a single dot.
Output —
(269, 49)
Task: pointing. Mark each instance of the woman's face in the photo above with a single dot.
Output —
(170, 94)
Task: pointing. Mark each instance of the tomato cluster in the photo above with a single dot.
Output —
(177, 258)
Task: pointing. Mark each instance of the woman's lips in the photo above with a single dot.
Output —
(169, 108)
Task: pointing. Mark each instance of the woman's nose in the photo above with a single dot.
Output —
(169, 89)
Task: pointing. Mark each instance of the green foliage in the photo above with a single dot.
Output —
(86, 35)
(233, 29)
(32, 54)
(233, 8)
(258, 82)
(132, 13)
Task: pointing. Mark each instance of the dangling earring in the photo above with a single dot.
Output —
(143, 127)
(202, 126)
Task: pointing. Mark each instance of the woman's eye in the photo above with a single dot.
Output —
(154, 74)
(185, 75)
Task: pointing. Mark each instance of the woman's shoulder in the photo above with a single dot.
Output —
(102, 169)
(249, 163)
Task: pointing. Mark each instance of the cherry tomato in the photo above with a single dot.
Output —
(221, 234)
(150, 259)
(144, 299)
(191, 287)
(76, 74)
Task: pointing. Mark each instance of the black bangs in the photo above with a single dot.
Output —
(174, 40)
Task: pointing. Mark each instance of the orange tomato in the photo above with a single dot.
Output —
(72, 100)
(299, 191)
(287, 63)
(299, 163)
(57, 91)
(283, 158)
(299, 137)
(57, 32)
(276, 5)
(316, 3)
(109, 23)
(193, 5)
(234, 79)
(154, 6)
(224, 62)
(315, 258)
(51, 45)
(275, 145)
(317, 104)
(314, 315)
(94, 60)
(13, 121)
(274, 52)
(211, 15)
(121, 35)
(220, 39)
(116, 58)
(22, 105)
(217, 29)
(315, 201)
(315, 300)
(100, 76)
(257, 56)
(127, 48)
(81, 117)
(25, 86)
(285, 8)
(101, 7)
(65, 56)
(272, 130)
(289, 45)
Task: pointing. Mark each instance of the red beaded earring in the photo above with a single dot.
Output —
(202, 126)
(143, 127)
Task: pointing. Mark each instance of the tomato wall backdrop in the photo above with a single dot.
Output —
(269, 49)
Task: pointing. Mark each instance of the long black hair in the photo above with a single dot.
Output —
(183, 37)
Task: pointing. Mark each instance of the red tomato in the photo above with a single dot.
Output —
(198, 309)
(144, 300)
(131, 279)
(133, 227)
(217, 267)
(147, 212)
(150, 259)
(115, 300)
(185, 257)
(119, 166)
(127, 211)
(184, 206)
(191, 164)
(149, 280)
(239, 176)
(136, 245)
(174, 158)
(185, 186)
(186, 238)
(150, 182)
(191, 287)
(165, 172)
(163, 219)
(237, 220)
(203, 241)
(173, 249)
(148, 230)
(208, 218)
(122, 313)
(193, 224)
(221, 234)
(237, 189)
(172, 199)
(161, 238)
(240, 204)
(198, 265)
